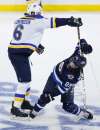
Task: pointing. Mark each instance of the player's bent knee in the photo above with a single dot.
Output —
(45, 98)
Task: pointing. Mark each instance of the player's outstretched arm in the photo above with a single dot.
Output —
(73, 22)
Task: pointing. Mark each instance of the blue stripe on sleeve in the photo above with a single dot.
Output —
(58, 81)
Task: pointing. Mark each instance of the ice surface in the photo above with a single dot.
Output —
(59, 44)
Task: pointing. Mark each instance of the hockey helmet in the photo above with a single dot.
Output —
(34, 9)
(79, 61)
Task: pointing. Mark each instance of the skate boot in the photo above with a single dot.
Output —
(17, 112)
(84, 114)
(33, 114)
(26, 105)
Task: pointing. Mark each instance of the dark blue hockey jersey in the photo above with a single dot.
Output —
(64, 76)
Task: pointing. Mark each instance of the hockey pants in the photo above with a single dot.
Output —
(50, 91)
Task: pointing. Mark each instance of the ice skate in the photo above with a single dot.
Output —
(16, 112)
(84, 114)
(33, 114)
(26, 105)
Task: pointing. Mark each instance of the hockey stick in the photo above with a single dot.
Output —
(82, 72)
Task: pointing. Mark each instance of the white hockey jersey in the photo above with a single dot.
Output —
(28, 31)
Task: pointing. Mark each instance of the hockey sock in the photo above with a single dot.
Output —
(20, 94)
(27, 94)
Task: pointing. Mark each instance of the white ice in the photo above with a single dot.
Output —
(59, 44)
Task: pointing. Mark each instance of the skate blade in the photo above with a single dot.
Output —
(26, 111)
(78, 119)
(13, 117)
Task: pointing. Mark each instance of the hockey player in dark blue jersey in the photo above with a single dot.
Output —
(27, 35)
(62, 81)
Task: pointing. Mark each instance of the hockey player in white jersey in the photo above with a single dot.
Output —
(26, 39)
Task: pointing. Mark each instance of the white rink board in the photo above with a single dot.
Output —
(52, 1)
(12, 1)
(72, 1)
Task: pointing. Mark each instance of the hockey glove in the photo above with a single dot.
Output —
(40, 49)
(74, 22)
(85, 47)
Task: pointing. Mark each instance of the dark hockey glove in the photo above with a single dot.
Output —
(74, 22)
(85, 47)
(40, 49)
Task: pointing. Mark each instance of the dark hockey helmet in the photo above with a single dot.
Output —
(79, 61)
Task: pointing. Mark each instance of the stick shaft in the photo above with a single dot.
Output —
(82, 72)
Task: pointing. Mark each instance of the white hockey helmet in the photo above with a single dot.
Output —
(34, 9)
